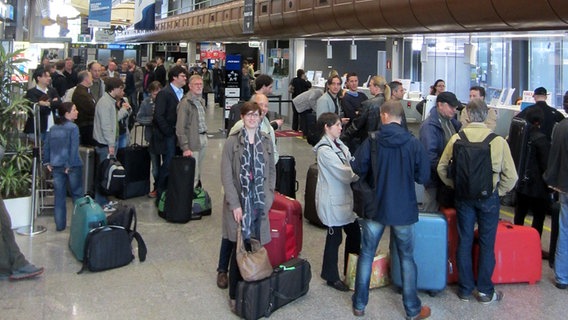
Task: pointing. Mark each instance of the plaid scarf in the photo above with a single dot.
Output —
(252, 185)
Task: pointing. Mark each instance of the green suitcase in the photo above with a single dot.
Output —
(87, 215)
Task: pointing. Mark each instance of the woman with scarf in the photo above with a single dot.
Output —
(248, 175)
(334, 198)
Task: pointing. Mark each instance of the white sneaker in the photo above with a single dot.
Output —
(112, 203)
(108, 208)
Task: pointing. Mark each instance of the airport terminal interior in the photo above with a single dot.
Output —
(509, 47)
(178, 279)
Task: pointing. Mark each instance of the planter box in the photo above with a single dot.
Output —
(19, 210)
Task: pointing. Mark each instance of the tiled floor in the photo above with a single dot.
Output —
(178, 279)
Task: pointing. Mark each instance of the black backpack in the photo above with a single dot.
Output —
(110, 246)
(112, 176)
(471, 169)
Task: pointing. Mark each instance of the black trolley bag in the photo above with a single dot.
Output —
(286, 176)
(310, 210)
(287, 283)
(110, 247)
(136, 161)
(179, 195)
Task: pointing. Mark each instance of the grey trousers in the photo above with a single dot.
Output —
(10, 256)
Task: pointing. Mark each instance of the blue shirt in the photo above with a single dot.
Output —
(178, 92)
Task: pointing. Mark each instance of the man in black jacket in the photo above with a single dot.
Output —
(46, 97)
(164, 123)
(551, 115)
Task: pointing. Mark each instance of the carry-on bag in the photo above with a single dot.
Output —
(453, 238)
(430, 254)
(179, 195)
(379, 271)
(112, 176)
(136, 162)
(518, 255)
(87, 215)
(87, 155)
(282, 246)
(287, 283)
(110, 247)
(293, 210)
(286, 176)
(518, 142)
(310, 211)
(124, 216)
(201, 202)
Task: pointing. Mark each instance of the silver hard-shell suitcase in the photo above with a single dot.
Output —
(87, 155)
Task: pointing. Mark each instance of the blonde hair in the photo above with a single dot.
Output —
(381, 82)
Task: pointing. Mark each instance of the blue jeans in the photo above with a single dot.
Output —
(155, 159)
(123, 141)
(371, 233)
(486, 213)
(60, 179)
(561, 257)
(100, 197)
(164, 171)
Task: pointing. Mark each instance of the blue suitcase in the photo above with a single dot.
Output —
(430, 253)
(87, 215)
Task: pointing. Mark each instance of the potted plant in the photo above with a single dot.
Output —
(16, 165)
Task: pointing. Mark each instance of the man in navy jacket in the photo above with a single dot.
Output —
(401, 161)
(164, 123)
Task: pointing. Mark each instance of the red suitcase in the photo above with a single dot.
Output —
(293, 210)
(517, 254)
(451, 217)
(282, 246)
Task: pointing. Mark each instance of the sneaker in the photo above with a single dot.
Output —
(153, 194)
(486, 299)
(108, 208)
(423, 314)
(112, 203)
(26, 272)
(464, 297)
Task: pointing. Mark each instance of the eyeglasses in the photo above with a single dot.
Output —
(252, 115)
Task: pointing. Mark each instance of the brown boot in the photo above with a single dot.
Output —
(222, 280)
(424, 314)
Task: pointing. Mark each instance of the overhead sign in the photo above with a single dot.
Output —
(254, 44)
(99, 13)
(248, 15)
(104, 35)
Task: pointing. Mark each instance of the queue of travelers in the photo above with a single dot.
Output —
(173, 112)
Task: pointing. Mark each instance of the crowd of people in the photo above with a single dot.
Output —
(96, 107)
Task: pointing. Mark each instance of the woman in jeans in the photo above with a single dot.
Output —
(334, 198)
(61, 156)
(248, 175)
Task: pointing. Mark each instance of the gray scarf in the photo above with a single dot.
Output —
(252, 185)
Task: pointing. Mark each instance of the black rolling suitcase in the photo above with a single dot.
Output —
(287, 283)
(518, 142)
(286, 176)
(310, 211)
(136, 162)
(179, 195)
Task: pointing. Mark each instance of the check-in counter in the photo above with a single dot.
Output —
(505, 115)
